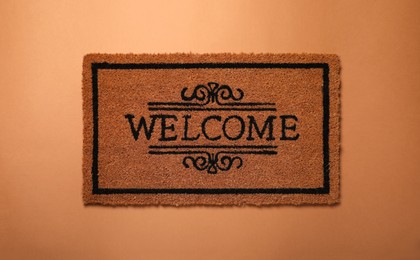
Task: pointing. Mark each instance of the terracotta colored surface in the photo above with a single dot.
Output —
(41, 209)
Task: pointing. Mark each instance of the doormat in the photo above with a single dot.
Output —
(211, 129)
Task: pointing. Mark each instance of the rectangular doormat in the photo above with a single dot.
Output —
(211, 129)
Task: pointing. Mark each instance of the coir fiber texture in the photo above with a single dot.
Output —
(211, 129)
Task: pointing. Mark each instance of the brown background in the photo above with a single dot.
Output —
(41, 210)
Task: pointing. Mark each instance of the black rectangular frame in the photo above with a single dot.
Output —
(325, 189)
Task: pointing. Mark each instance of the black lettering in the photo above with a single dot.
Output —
(142, 124)
(241, 133)
(165, 127)
(186, 137)
(203, 127)
(284, 127)
(268, 123)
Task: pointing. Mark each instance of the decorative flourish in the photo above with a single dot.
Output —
(212, 93)
(213, 162)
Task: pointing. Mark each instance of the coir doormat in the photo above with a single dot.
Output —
(211, 129)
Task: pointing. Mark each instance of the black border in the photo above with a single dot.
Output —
(132, 66)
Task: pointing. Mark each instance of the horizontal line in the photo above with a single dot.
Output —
(227, 152)
(214, 191)
(197, 104)
(252, 152)
(176, 152)
(212, 146)
(210, 109)
(106, 65)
